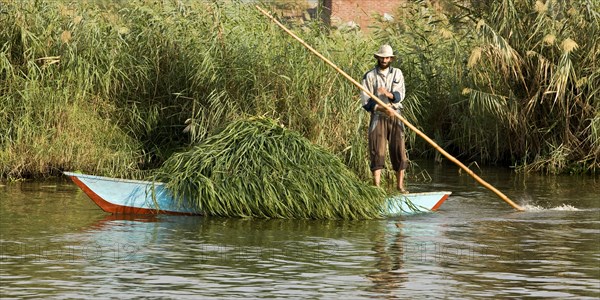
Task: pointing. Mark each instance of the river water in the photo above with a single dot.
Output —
(55, 243)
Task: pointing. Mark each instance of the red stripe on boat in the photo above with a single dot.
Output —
(439, 203)
(120, 209)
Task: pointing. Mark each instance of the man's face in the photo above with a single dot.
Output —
(384, 62)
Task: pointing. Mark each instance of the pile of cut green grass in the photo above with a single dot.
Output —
(256, 168)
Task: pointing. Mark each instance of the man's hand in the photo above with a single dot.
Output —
(388, 110)
(383, 91)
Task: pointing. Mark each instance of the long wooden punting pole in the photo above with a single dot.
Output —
(413, 128)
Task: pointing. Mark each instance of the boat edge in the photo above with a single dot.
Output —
(441, 201)
(112, 208)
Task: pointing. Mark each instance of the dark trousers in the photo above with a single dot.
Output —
(385, 131)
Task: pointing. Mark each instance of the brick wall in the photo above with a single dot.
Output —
(340, 12)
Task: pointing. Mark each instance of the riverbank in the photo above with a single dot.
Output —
(107, 88)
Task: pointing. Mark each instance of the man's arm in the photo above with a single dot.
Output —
(368, 103)
(398, 89)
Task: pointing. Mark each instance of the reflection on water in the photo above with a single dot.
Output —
(389, 275)
(54, 242)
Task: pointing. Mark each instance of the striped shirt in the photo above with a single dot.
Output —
(390, 78)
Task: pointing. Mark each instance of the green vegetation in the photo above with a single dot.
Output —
(106, 87)
(256, 168)
(507, 82)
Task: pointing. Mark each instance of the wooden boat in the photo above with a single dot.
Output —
(125, 196)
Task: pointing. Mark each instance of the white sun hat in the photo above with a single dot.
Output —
(385, 51)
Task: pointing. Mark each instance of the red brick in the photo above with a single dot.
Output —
(338, 12)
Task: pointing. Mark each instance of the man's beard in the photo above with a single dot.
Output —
(383, 65)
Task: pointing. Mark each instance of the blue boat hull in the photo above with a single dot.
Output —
(124, 196)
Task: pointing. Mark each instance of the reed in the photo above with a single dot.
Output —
(106, 87)
(50, 118)
(507, 82)
(257, 168)
(139, 70)
(552, 83)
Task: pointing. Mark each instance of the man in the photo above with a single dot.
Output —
(387, 84)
